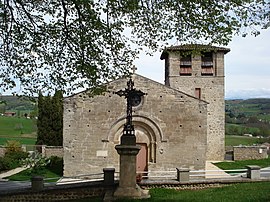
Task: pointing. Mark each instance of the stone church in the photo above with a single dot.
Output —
(179, 124)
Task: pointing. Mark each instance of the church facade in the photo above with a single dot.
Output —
(175, 124)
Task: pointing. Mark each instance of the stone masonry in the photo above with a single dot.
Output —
(249, 152)
(172, 124)
(211, 89)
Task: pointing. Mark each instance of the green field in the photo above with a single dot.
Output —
(231, 140)
(241, 128)
(230, 165)
(20, 129)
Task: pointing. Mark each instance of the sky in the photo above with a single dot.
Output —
(247, 67)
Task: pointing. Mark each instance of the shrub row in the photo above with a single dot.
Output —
(11, 160)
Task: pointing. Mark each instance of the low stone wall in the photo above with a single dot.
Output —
(49, 151)
(228, 148)
(249, 152)
(57, 193)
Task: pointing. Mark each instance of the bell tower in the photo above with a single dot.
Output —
(198, 70)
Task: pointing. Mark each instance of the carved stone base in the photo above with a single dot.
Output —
(132, 193)
(128, 187)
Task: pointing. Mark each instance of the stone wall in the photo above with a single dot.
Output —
(49, 151)
(56, 193)
(249, 152)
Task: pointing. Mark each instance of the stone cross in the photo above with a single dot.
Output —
(133, 68)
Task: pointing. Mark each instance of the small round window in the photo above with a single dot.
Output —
(136, 100)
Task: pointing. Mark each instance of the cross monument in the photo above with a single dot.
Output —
(128, 150)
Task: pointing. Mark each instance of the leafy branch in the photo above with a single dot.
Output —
(69, 45)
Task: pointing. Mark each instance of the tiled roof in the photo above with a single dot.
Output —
(189, 47)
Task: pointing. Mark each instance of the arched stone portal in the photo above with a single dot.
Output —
(146, 139)
(147, 133)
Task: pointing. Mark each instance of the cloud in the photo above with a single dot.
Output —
(248, 93)
(247, 67)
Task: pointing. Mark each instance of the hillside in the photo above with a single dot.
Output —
(14, 103)
(250, 107)
(250, 116)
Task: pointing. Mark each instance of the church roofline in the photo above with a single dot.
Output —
(176, 90)
(190, 47)
(135, 74)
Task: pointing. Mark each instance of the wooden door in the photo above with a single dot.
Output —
(142, 158)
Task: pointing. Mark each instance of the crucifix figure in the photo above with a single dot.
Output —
(132, 95)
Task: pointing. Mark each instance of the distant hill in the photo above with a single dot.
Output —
(14, 103)
(251, 107)
(250, 116)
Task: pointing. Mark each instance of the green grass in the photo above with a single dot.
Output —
(53, 170)
(251, 129)
(242, 129)
(26, 176)
(249, 192)
(241, 192)
(20, 129)
(241, 140)
(13, 126)
(242, 164)
(26, 141)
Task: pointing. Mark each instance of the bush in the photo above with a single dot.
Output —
(13, 146)
(12, 160)
(17, 156)
(6, 164)
(36, 163)
(56, 165)
(13, 155)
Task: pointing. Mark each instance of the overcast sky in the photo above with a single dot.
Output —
(247, 67)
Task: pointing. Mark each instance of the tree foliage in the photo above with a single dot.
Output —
(50, 119)
(71, 44)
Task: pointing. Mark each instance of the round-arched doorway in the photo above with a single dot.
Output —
(147, 135)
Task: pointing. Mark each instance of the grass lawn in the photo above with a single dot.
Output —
(19, 129)
(242, 192)
(26, 176)
(13, 126)
(231, 140)
(53, 170)
(26, 141)
(242, 164)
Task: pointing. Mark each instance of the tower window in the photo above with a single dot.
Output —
(185, 66)
(207, 64)
(198, 93)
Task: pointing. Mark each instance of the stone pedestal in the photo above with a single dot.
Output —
(254, 172)
(37, 183)
(128, 187)
(182, 174)
(108, 176)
